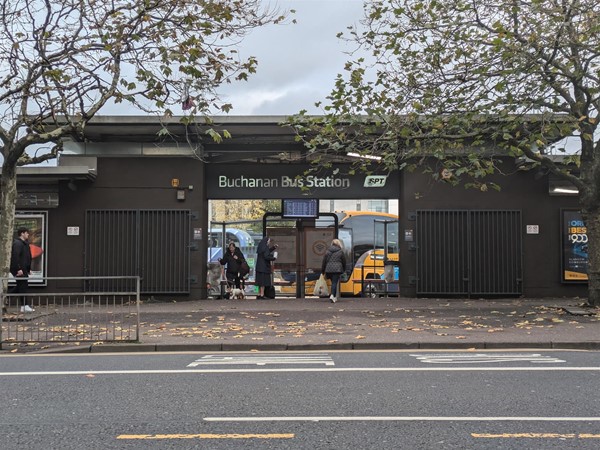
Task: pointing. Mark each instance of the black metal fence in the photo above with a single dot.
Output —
(152, 244)
(75, 316)
(469, 253)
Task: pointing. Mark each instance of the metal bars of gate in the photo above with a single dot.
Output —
(469, 253)
(496, 255)
(154, 244)
(71, 315)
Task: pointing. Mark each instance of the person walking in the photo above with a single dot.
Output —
(233, 259)
(265, 256)
(334, 264)
(20, 267)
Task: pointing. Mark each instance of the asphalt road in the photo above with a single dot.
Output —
(297, 400)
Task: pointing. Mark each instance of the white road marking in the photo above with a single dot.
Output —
(476, 358)
(307, 369)
(261, 360)
(205, 436)
(400, 419)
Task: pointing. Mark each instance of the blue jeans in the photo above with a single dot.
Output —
(335, 278)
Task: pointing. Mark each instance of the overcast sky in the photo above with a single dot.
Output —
(297, 63)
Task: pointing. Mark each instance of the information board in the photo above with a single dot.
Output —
(292, 208)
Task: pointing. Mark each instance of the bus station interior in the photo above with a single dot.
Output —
(126, 200)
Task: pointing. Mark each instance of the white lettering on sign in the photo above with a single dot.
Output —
(314, 181)
(72, 231)
(533, 229)
(285, 181)
(245, 182)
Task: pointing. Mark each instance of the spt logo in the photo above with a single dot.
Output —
(375, 181)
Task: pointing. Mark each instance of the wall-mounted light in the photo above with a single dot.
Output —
(561, 187)
(565, 191)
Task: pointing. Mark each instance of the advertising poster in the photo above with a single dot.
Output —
(36, 222)
(285, 238)
(318, 241)
(574, 247)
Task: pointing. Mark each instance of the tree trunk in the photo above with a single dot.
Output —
(592, 223)
(8, 200)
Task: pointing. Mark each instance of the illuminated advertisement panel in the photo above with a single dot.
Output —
(574, 247)
(36, 223)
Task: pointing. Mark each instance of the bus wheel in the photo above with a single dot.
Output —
(370, 291)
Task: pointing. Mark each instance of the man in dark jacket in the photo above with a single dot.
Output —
(20, 266)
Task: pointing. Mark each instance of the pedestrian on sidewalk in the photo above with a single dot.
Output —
(334, 264)
(266, 254)
(20, 268)
(233, 259)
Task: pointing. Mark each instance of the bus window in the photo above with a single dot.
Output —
(366, 235)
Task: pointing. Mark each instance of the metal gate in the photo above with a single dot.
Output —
(469, 253)
(152, 244)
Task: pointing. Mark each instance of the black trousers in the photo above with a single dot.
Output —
(20, 287)
(233, 278)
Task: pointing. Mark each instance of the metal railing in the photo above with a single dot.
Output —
(73, 316)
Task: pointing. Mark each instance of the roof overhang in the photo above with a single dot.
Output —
(53, 174)
(252, 138)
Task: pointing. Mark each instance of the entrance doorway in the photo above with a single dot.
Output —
(370, 241)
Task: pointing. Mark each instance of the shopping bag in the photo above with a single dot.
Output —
(321, 289)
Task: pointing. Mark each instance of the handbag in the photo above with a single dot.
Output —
(244, 268)
(321, 289)
(270, 291)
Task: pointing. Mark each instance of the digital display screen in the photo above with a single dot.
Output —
(297, 208)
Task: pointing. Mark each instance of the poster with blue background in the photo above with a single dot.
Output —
(574, 246)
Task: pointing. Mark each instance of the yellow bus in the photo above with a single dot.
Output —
(363, 234)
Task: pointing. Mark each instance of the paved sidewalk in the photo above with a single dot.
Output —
(354, 323)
